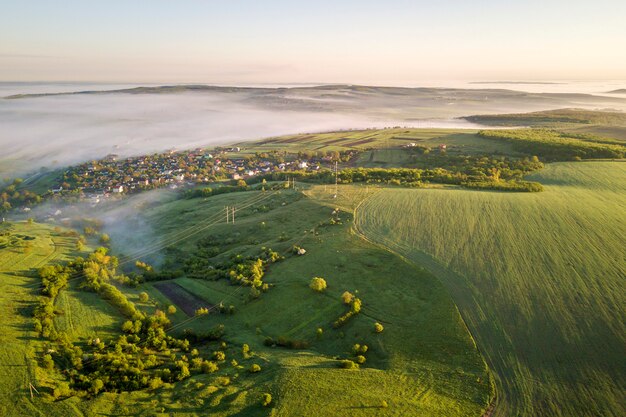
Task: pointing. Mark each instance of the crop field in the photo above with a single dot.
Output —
(188, 302)
(539, 279)
(348, 140)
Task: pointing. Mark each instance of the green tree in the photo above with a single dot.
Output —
(318, 284)
(378, 328)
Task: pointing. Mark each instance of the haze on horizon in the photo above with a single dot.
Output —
(360, 42)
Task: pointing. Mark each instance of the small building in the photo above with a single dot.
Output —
(442, 147)
(118, 189)
(303, 165)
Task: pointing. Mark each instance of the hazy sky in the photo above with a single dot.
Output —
(272, 41)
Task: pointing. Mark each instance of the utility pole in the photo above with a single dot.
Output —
(227, 209)
(233, 215)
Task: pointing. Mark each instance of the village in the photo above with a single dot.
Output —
(112, 175)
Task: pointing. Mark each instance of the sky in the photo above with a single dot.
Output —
(392, 42)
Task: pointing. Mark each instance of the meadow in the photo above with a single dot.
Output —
(425, 362)
(539, 280)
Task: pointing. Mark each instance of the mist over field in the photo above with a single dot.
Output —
(49, 130)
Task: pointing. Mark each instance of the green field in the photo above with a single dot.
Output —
(425, 362)
(347, 140)
(539, 279)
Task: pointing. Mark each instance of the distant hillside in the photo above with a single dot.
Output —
(618, 91)
(552, 118)
(346, 91)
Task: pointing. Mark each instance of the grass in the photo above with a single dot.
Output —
(86, 315)
(538, 279)
(424, 363)
(346, 140)
(425, 352)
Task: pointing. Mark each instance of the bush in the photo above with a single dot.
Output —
(378, 328)
(47, 361)
(144, 297)
(171, 309)
(208, 367)
(360, 359)
(348, 364)
(254, 368)
(61, 390)
(318, 284)
(267, 399)
(347, 297)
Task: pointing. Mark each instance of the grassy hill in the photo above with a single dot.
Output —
(424, 363)
(538, 279)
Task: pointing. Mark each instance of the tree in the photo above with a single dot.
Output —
(48, 363)
(104, 238)
(171, 309)
(267, 399)
(254, 368)
(378, 328)
(318, 284)
(360, 359)
(184, 372)
(96, 386)
(208, 367)
(347, 297)
(144, 297)
(62, 390)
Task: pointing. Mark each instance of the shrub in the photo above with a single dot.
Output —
(47, 362)
(347, 297)
(378, 328)
(357, 348)
(222, 380)
(171, 309)
(360, 359)
(318, 284)
(219, 355)
(348, 364)
(208, 367)
(267, 399)
(144, 297)
(61, 390)
(155, 383)
(254, 368)
(202, 311)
